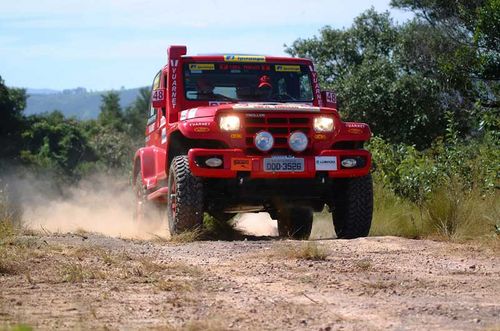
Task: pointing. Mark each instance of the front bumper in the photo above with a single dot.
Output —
(237, 164)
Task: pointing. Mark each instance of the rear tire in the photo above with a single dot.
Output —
(146, 211)
(295, 222)
(185, 197)
(352, 207)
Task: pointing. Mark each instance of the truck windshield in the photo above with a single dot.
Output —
(269, 82)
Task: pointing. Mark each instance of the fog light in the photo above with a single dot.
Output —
(348, 163)
(264, 141)
(298, 141)
(213, 162)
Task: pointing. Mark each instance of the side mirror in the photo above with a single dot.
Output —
(329, 99)
(158, 98)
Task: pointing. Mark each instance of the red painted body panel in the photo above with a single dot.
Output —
(257, 170)
(152, 165)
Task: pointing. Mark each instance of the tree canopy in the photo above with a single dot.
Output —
(407, 80)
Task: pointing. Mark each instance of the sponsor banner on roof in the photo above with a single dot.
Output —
(201, 66)
(278, 107)
(287, 68)
(244, 58)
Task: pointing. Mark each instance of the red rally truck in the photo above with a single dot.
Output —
(246, 133)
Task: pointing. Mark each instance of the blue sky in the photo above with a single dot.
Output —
(109, 44)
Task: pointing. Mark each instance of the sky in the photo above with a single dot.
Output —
(113, 44)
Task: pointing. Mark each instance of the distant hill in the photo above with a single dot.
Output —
(78, 102)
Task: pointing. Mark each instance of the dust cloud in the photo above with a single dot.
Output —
(257, 224)
(101, 204)
(106, 204)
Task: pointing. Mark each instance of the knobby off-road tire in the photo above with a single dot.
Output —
(295, 222)
(185, 197)
(146, 212)
(352, 207)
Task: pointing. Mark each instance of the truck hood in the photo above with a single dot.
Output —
(210, 111)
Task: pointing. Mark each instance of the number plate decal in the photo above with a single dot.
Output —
(283, 164)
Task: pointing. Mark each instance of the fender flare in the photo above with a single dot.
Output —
(151, 162)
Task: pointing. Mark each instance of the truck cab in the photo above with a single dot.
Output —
(235, 133)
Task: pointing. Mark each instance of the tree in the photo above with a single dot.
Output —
(137, 113)
(12, 104)
(362, 64)
(471, 30)
(55, 143)
(111, 115)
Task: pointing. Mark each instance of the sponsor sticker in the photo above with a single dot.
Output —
(287, 68)
(244, 58)
(173, 82)
(192, 113)
(184, 115)
(319, 136)
(326, 163)
(241, 164)
(355, 131)
(201, 66)
(151, 128)
(284, 107)
(163, 135)
(201, 129)
(355, 125)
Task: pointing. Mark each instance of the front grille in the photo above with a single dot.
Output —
(280, 126)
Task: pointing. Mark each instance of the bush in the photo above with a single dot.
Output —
(449, 190)
(10, 218)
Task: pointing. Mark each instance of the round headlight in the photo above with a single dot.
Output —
(298, 141)
(264, 141)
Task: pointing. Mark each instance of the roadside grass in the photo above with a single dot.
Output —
(212, 229)
(75, 272)
(394, 216)
(311, 251)
(18, 327)
(449, 213)
(185, 237)
(212, 324)
(458, 215)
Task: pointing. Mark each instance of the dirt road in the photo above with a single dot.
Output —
(90, 281)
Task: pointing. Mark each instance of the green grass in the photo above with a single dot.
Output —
(311, 251)
(457, 215)
(394, 216)
(450, 213)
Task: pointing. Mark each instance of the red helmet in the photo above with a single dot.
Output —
(265, 81)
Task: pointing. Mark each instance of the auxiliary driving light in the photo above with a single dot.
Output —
(264, 141)
(298, 141)
(348, 163)
(213, 162)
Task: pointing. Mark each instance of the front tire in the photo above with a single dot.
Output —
(295, 222)
(352, 207)
(185, 197)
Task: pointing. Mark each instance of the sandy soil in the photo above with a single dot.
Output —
(84, 281)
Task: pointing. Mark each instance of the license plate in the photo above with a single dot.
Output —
(283, 165)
